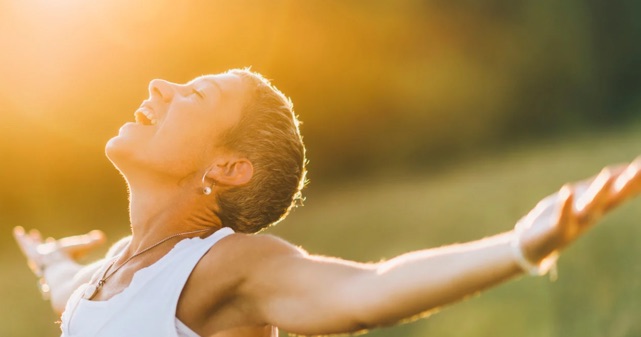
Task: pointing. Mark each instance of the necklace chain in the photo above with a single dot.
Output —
(95, 289)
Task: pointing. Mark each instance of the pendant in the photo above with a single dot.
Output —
(90, 291)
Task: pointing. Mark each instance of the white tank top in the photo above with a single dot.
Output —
(147, 307)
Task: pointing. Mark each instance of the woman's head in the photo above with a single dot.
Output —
(268, 135)
(236, 128)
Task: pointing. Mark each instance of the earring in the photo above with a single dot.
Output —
(207, 189)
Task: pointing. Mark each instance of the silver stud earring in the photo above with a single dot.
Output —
(207, 189)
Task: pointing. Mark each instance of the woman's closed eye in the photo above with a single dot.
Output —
(198, 93)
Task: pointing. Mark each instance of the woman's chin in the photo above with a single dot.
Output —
(120, 150)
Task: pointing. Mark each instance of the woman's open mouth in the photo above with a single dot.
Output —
(144, 116)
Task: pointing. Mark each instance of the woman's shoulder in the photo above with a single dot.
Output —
(242, 245)
(240, 255)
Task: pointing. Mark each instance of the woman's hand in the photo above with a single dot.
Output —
(41, 253)
(561, 218)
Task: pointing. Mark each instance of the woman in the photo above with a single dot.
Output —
(212, 161)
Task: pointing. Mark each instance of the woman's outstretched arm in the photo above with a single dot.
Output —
(312, 295)
(55, 261)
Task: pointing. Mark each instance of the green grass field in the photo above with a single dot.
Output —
(598, 292)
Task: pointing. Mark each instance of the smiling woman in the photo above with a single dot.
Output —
(181, 124)
(212, 162)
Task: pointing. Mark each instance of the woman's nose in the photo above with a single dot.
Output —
(161, 89)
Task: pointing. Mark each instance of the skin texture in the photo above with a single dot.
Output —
(262, 281)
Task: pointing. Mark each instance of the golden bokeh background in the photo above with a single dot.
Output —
(427, 122)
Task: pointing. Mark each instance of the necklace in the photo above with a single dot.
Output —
(92, 289)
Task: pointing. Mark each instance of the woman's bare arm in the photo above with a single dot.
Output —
(55, 261)
(313, 295)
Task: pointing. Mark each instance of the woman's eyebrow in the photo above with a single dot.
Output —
(214, 83)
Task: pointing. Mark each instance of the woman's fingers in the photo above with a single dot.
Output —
(627, 184)
(35, 235)
(88, 239)
(593, 202)
(566, 199)
(561, 218)
(581, 187)
(25, 241)
(566, 221)
(80, 244)
(18, 235)
(28, 244)
(32, 245)
(608, 189)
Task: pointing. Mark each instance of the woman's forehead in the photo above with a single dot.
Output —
(224, 82)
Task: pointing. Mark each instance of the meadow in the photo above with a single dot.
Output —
(598, 292)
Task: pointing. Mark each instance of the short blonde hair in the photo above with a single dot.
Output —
(268, 135)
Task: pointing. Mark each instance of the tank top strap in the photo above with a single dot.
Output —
(179, 267)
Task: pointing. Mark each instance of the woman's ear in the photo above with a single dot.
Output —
(231, 171)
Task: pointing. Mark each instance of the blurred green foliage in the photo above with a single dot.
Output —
(385, 89)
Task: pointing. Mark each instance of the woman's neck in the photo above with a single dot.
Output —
(157, 213)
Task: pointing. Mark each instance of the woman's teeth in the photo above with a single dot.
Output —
(145, 117)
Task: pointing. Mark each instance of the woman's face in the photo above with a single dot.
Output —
(175, 128)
